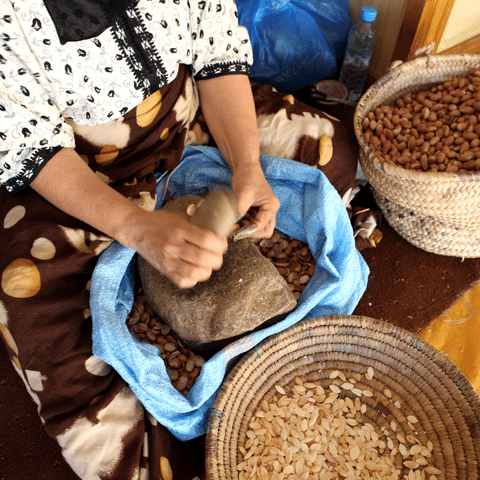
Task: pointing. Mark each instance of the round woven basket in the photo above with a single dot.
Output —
(422, 382)
(437, 212)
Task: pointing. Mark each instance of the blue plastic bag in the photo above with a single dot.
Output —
(295, 42)
(311, 211)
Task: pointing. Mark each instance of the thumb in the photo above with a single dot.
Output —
(244, 202)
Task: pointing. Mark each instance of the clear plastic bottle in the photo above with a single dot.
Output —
(361, 40)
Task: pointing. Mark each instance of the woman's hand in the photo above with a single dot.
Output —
(251, 189)
(184, 253)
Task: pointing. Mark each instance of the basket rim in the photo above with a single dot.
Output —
(349, 320)
(418, 64)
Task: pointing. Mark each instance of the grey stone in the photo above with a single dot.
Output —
(245, 294)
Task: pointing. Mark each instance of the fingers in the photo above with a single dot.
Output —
(190, 257)
(265, 220)
(186, 274)
(197, 244)
(189, 264)
(184, 253)
(266, 207)
(252, 190)
(265, 217)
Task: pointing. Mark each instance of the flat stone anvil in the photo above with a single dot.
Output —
(246, 293)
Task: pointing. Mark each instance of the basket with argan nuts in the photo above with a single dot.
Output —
(418, 128)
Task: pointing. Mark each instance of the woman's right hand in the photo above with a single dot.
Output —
(183, 252)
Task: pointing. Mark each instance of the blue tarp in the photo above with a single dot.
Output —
(295, 42)
(311, 211)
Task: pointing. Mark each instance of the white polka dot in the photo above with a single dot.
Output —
(43, 249)
(3, 315)
(145, 452)
(96, 243)
(92, 448)
(96, 366)
(347, 197)
(35, 380)
(14, 216)
(4, 331)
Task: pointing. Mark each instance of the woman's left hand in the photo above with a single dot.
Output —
(251, 189)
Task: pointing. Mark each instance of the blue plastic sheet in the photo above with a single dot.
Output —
(311, 211)
(295, 42)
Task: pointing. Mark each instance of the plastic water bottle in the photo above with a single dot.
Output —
(361, 40)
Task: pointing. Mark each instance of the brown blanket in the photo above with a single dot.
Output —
(73, 389)
(407, 286)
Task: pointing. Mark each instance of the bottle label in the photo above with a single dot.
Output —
(359, 61)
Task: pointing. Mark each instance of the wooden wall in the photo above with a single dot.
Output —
(406, 26)
(462, 25)
(449, 27)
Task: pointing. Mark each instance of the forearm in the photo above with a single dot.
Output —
(229, 110)
(183, 252)
(67, 182)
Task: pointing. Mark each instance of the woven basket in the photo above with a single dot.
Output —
(423, 383)
(437, 212)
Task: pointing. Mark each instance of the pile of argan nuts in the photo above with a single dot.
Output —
(435, 130)
(291, 257)
(183, 365)
(308, 431)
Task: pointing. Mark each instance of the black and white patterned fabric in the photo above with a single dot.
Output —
(44, 82)
(80, 19)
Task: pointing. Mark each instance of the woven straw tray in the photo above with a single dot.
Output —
(438, 212)
(420, 382)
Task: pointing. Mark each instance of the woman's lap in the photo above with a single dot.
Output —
(47, 263)
(102, 428)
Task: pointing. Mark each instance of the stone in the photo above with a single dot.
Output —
(245, 294)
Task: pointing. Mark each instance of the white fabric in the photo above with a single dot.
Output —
(42, 83)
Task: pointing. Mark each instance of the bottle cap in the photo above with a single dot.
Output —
(368, 14)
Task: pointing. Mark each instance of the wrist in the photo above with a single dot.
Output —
(131, 229)
(246, 164)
